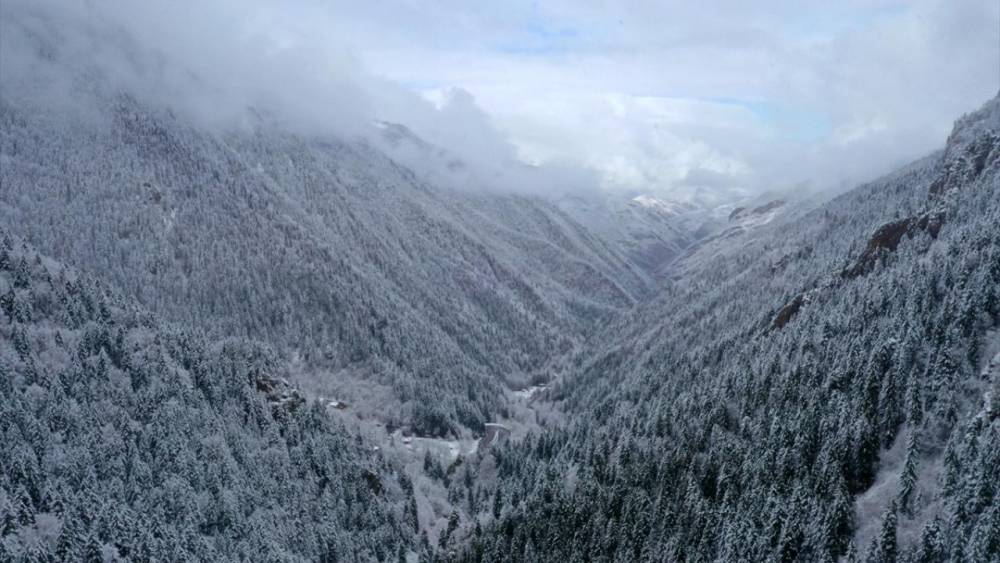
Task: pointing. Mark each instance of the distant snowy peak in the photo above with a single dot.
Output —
(758, 215)
(671, 207)
(650, 230)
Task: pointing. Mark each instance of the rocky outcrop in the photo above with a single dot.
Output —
(965, 161)
(972, 152)
(886, 239)
(786, 313)
(279, 392)
(966, 166)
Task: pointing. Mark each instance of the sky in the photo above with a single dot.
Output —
(681, 96)
(679, 99)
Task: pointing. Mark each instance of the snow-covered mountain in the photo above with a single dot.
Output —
(373, 279)
(651, 231)
(256, 341)
(327, 249)
(821, 386)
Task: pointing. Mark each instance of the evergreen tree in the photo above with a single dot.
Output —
(908, 478)
(884, 548)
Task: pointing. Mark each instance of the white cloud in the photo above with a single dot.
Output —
(820, 92)
(663, 96)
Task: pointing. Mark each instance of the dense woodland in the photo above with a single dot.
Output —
(174, 298)
(125, 438)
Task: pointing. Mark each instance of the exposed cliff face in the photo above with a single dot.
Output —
(887, 238)
(788, 311)
(967, 163)
(972, 152)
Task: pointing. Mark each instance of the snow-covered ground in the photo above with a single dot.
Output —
(447, 451)
(529, 393)
(990, 355)
(990, 371)
(871, 505)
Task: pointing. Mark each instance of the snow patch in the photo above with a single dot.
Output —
(872, 504)
(990, 355)
(445, 450)
(662, 205)
(528, 393)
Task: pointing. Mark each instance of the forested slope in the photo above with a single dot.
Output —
(801, 386)
(826, 390)
(124, 438)
(323, 247)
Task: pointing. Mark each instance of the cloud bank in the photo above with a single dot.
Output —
(669, 98)
(767, 94)
(230, 65)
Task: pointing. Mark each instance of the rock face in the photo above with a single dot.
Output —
(973, 149)
(886, 239)
(968, 165)
(969, 154)
(788, 311)
(279, 392)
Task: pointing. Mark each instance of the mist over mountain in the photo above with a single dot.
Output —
(260, 303)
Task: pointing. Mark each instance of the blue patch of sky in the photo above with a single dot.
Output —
(785, 121)
(541, 35)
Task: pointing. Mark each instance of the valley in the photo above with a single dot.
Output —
(251, 337)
